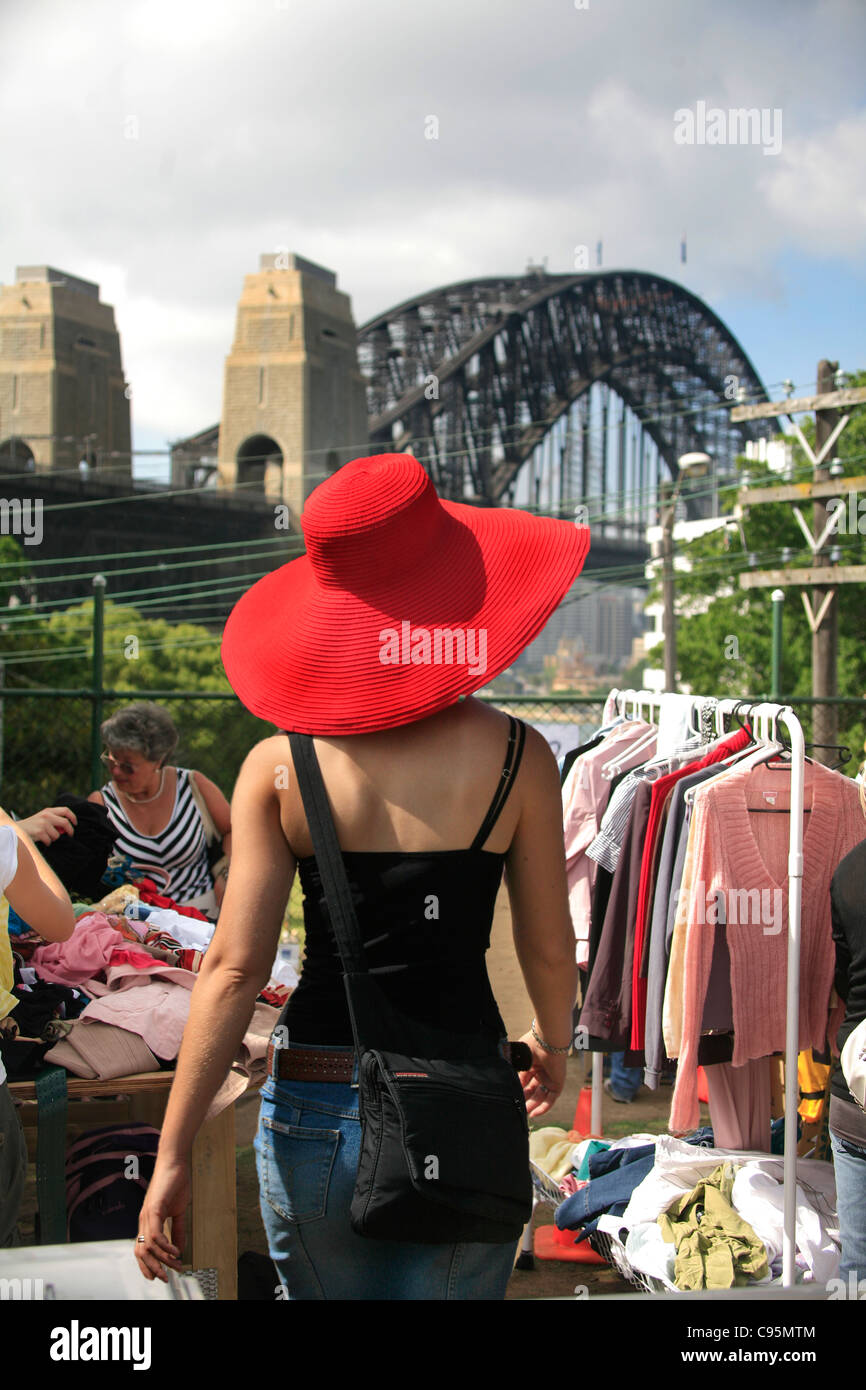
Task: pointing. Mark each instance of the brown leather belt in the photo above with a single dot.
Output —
(292, 1064)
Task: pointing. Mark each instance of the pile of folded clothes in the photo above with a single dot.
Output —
(687, 1214)
(113, 999)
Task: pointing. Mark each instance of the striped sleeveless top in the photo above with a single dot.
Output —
(178, 854)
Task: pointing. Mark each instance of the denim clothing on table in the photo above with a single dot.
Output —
(594, 1146)
(614, 1175)
(611, 1192)
(609, 1160)
(849, 1162)
(307, 1147)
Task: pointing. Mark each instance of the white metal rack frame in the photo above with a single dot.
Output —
(764, 719)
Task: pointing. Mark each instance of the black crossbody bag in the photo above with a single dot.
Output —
(444, 1133)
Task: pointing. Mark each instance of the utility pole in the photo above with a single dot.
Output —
(667, 504)
(822, 577)
(825, 628)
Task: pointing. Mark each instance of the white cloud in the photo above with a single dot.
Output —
(262, 125)
(818, 193)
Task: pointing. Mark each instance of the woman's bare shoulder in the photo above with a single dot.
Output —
(267, 758)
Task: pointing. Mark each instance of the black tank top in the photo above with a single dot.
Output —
(424, 919)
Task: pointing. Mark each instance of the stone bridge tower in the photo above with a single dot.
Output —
(62, 393)
(294, 407)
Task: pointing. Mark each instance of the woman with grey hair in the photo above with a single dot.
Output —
(157, 809)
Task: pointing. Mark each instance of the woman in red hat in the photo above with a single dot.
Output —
(373, 642)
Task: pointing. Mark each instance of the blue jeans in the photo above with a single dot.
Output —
(849, 1161)
(307, 1148)
(610, 1192)
(626, 1081)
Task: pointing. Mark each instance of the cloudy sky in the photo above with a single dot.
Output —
(159, 146)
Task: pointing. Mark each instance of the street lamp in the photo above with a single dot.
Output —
(697, 465)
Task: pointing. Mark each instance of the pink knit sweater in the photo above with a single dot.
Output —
(736, 850)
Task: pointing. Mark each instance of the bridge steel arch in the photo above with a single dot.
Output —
(473, 376)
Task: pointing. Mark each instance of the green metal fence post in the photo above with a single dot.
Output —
(96, 698)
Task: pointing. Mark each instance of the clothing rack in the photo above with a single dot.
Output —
(764, 718)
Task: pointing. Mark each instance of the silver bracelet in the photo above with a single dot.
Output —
(546, 1047)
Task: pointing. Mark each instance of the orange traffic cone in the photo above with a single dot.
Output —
(583, 1114)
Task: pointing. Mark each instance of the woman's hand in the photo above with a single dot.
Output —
(48, 825)
(167, 1198)
(544, 1082)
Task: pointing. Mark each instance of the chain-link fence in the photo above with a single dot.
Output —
(50, 742)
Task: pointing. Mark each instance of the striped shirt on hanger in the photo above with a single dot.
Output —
(178, 853)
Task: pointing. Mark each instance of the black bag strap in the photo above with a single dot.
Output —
(513, 755)
(329, 859)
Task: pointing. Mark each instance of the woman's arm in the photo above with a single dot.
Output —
(541, 922)
(236, 967)
(36, 892)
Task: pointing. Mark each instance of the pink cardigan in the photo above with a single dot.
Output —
(736, 850)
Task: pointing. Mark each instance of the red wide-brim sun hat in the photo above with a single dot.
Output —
(402, 604)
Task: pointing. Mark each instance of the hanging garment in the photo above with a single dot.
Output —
(600, 898)
(573, 754)
(739, 1100)
(606, 1007)
(740, 862)
(584, 799)
(661, 789)
(668, 882)
(607, 1012)
(718, 1009)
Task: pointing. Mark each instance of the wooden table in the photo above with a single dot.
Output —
(212, 1236)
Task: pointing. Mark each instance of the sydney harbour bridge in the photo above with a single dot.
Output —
(555, 391)
(572, 395)
(558, 392)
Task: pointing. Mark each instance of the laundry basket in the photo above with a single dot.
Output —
(605, 1240)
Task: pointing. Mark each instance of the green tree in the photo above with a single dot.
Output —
(724, 632)
(47, 741)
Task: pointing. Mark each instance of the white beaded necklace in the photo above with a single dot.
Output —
(142, 801)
